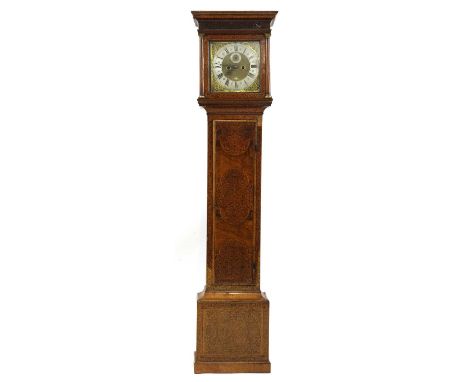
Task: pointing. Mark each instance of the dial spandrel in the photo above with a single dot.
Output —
(235, 66)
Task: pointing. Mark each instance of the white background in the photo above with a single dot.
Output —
(103, 191)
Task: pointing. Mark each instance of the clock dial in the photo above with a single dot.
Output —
(235, 66)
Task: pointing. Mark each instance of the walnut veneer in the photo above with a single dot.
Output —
(232, 312)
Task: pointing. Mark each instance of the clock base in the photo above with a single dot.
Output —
(232, 332)
(232, 367)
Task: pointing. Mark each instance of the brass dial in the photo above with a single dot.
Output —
(235, 66)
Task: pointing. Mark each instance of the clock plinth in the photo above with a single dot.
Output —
(232, 312)
(232, 333)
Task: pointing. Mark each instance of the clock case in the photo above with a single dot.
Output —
(232, 312)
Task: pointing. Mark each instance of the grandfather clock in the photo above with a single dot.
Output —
(232, 312)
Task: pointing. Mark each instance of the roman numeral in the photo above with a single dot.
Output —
(227, 82)
(253, 66)
(227, 51)
(236, 47)
(220, 75)
(251, 75)
(235, 84)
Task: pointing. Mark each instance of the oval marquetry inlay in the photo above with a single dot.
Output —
(235, 141)
(233, 263)
(234, 196)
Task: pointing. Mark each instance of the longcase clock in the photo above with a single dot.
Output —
(232, 312)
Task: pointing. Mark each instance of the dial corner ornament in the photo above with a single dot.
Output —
(235, 66)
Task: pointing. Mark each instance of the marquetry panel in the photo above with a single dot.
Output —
(234, 330)
(235, 137)
(233, 263)
(234, 175)
(234, 196)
